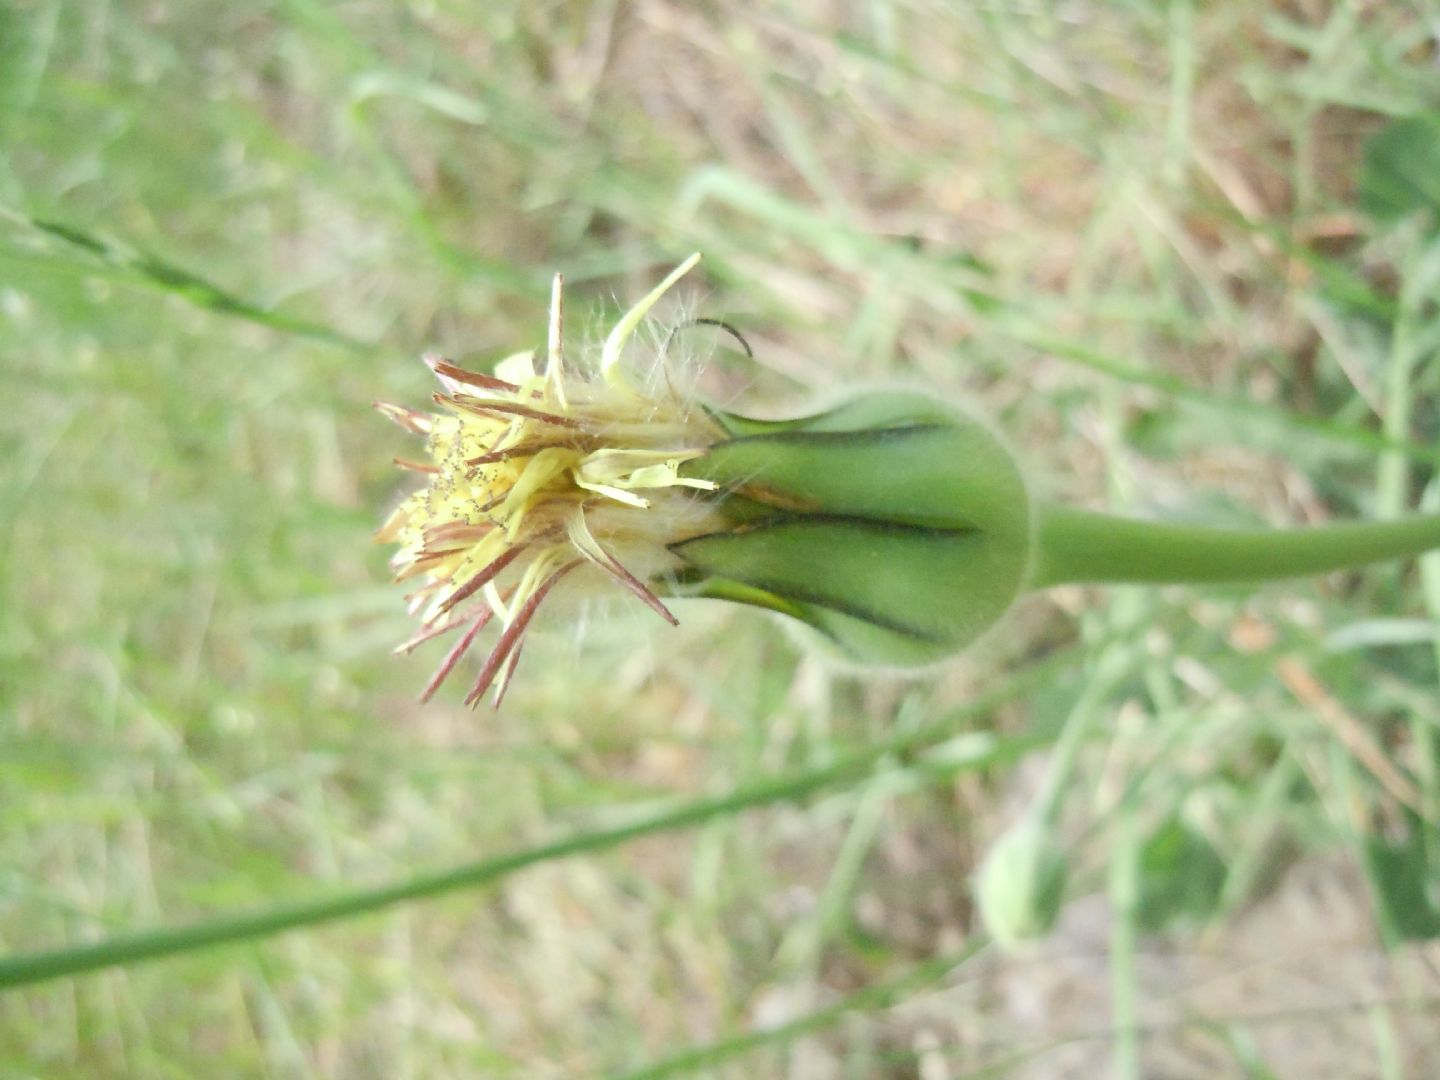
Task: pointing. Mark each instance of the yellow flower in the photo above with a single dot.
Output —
(543, 477)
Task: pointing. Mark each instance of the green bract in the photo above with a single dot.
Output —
(896, 525)
(1021, 883)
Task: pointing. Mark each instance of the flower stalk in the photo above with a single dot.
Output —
(1075, 546)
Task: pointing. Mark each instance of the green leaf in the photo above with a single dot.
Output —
(1401, 173)
(1404, 876)
(1181, 878)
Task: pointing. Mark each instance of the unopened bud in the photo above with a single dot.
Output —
(894, 524)
(1021, 883)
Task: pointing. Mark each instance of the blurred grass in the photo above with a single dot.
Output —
(1130, 232)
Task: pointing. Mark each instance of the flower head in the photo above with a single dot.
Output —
(544, 476)
(892, 524)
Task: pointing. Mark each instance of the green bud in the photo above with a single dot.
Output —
(1021, 883)
(895, 525)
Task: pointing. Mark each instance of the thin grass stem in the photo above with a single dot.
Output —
(125, 949)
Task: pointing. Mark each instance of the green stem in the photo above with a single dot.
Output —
(1082, 546)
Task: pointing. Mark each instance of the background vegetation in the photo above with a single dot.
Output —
(1144, 237)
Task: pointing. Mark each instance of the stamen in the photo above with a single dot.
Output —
(459, 649)
(471, 587)
(508, 673)
(585, 542)
(428, 634)
(418, 565)
(458, 532)
(417, 423)
(555, 355)
(445, 370)
(625, 328)
(614, 568)
(415, 601)
(529, 450)
(485, 407)
(513, 633)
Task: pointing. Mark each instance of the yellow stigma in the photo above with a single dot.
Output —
(561, 469)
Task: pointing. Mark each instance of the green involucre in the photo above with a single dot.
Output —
(895, 525)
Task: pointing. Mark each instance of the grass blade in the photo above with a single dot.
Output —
(27, 968)
(874, 997)
(146, 268)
